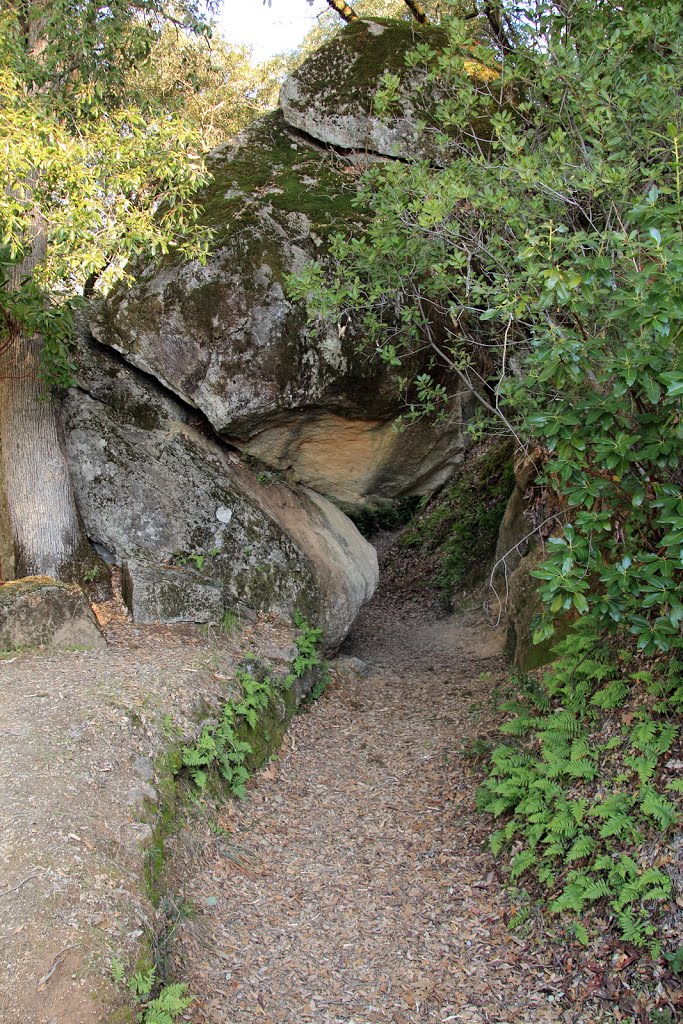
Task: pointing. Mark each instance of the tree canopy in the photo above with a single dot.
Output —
(107, 171)
(217, 88)
(542, 264)
(96, 172)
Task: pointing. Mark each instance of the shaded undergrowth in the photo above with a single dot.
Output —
(460, 525)
(586, 794)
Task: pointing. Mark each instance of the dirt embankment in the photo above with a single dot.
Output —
(83, 738)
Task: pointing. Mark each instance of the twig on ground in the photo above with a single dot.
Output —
(19, 885)
(55, 963)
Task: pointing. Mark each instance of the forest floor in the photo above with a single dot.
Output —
(353, 884)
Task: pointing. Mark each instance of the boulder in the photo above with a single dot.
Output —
(197, 531)
(170, 593)
(331, 96)
(38, 611)
(516, 534)
(355, 460)
(226, 339)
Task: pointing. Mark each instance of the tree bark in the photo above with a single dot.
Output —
(494, 16)
(343, 10)
(39, 507)
(417, 11)
(43, 520)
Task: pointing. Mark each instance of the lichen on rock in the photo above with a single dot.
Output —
(216, 360)
(331, 96)
(173, 504)
(38, 611)
(226, 339)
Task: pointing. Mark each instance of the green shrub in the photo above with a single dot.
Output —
(165, 1007)
(540, 267)
(579, 787)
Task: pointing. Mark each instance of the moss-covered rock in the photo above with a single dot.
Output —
(226, 338)
(170, 593)
(38, 611)
(461, 525)
(331, 96)
(198, 531)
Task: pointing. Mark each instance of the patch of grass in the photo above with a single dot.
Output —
(229, 622)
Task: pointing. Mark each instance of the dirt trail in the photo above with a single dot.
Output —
(352, 887)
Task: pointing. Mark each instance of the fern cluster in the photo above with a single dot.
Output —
(221, 745)
(307, 647)
(165, 1007)
(582, 784)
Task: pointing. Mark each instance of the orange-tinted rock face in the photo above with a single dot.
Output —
(38, 611)
(355, 459)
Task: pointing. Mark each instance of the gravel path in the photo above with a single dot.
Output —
(352, 885)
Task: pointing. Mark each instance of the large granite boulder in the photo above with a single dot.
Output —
(226, 339)
(197, 531)
(331, 96)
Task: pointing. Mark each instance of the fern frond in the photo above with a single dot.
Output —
(173, 999)
(657, 806)
(611, 696)
(580, 933)
(521, 862)
(582, 847)
(571, 898)
(598, 889)
(118, 972)
(497, 841)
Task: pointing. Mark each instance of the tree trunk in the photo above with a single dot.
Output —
(343, 10)
(43, 521)
(417, 11)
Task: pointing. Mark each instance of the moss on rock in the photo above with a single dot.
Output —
(461, 524)
(344, 74)
(271, 165)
